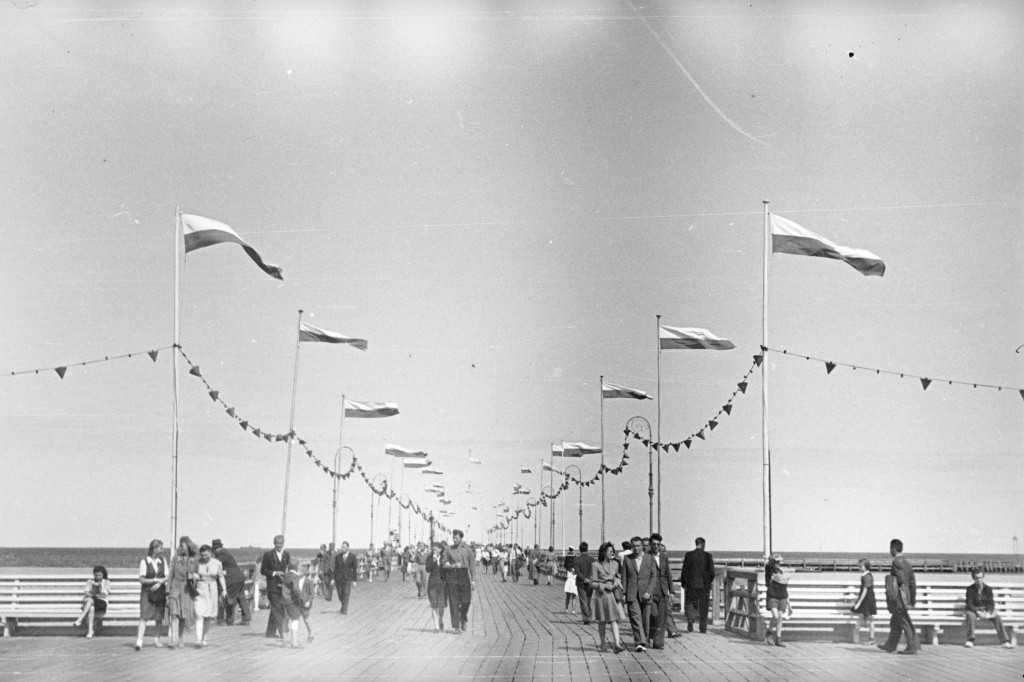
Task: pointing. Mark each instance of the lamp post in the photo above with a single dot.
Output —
(579, 484)
(637, 421)
(373, 482)
(334, 503)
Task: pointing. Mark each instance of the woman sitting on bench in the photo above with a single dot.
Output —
(94, 603)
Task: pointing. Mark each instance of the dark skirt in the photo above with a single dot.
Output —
(868, 606)
(150, 611)
(435, 592)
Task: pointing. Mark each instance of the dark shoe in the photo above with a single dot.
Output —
(658, 646)
(908, 652)
(778, 642)
(689, 627)
(704, 631)
(885, 649)
(673, 635)
(618, 648)
(463, 627)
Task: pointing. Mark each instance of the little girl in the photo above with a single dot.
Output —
(865, 604)
(94, 601)
(294, 599)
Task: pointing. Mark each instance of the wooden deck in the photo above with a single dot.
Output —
(517, 632)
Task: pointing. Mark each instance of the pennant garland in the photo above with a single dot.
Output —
(925, 381)
(62, 369)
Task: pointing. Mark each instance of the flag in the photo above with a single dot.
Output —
(556, 450)
(548, 467)
(692, 338)
(200, 232)
(788, 237)
(397, 451)
(416, 463)
(369, 410)
(516, 487)
(473, 460)
(524, 470)
(308, 332)
(614, 391)
(433, 472)
(523, 491)
(579, 449)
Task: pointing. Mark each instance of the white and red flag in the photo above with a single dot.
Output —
(201, 232)
(309, 333)
(615, 391)
(369, 410)
(788, 237)
(579, 449)
(398, 451)
(691, 338)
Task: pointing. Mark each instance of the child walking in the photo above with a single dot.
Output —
(865, 606)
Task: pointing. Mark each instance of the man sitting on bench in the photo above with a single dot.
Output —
(982, 604)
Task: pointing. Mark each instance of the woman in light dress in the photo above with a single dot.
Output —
(604, 577)
(209, 575)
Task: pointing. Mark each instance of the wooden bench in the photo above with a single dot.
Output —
(55, 601)
(822, 607)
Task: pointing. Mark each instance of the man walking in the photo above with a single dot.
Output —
(346, 570)
(235, 581)
(697, 576)
(273, 567)
(584, 590)
(637, 578)
(900, 596)
(459, 562)
(661, 594)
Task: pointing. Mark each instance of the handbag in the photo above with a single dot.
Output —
(618, 594)
(191, 587)
(156, 594)
(892, 593)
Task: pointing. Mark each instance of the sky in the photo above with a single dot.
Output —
(501, 198)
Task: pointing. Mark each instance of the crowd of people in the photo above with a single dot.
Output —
(632, 584)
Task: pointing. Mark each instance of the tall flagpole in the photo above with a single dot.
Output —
(291, 429)
(560, 492)
(601, 388)
(174, 380)
(658, 317)
(766, 465)
(337, 468)
(540, 514)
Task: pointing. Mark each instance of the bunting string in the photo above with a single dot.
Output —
(61, 370)
(925, 381)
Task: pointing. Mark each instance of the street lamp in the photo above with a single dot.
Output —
(579, 484)
(334, 503)
(373, 482)
(650, 468)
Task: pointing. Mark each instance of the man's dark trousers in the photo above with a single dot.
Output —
(460, 593)
(696, 607)
(344, 592)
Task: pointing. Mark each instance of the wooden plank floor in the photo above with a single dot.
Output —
(517, 632)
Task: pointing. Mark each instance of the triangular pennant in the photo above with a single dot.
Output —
(195, 371)
(626, 431)
(244, 424)
(214, 395)
(742, 386)
(645, 442)
(727, 408)
(712, 424)
(829, 366)
(675, 446)
(268, 437)
(925, 382)
(231, 411)
(687, 443)
(700, 434)
(60, 371)
(257, 433)
(757, 360)
(1022, 393)
(152, 354)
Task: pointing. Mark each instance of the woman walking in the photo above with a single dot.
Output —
(209, 575)
(179, 598)
(153, 596)
(604, 576)
(435, 587)
(865, 606)
(778, 597)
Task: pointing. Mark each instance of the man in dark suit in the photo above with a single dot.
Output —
(904, 599)
(661, 594)
(584, 563)
(346, 570)
(235, 580)
(273, 567)
(697, 576)
(638, 577)
(981, 604)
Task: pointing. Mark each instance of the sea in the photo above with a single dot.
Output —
(84, 558)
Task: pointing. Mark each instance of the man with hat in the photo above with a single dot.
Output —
(235, 579)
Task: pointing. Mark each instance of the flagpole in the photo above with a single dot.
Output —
(658, 317)
(391, 477)
(601, 388)
(291, 428)
(337, 468)
(766, 465)
(174, 379)
(560, 493)
(551, 507)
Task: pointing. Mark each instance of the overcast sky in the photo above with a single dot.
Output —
(500, 198)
